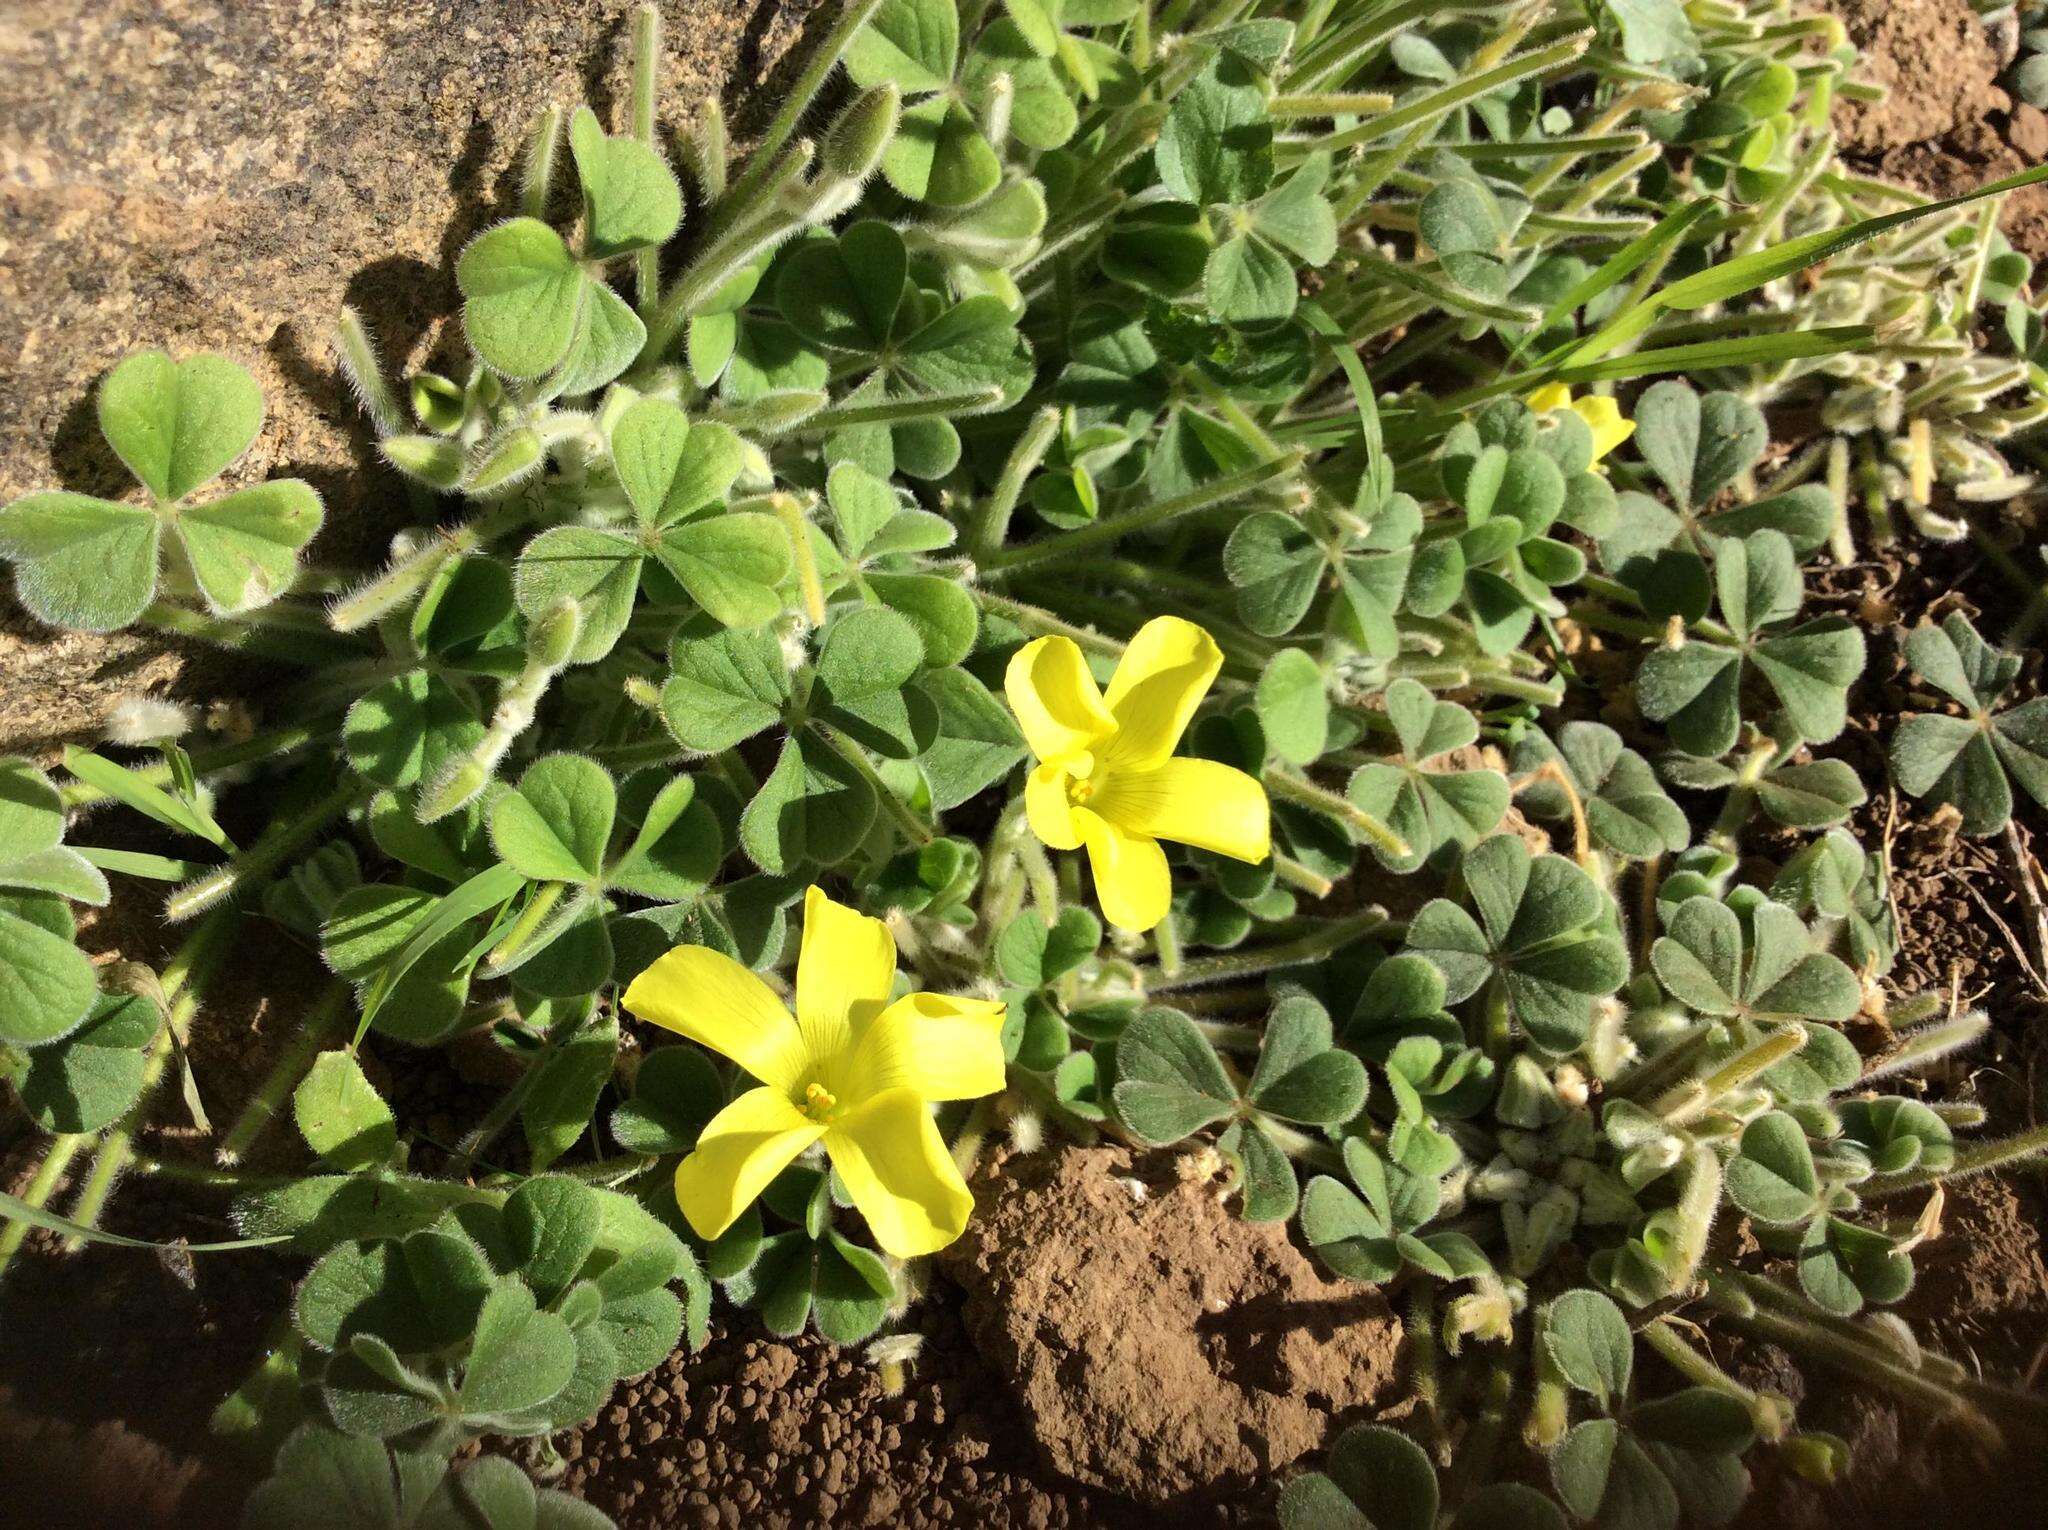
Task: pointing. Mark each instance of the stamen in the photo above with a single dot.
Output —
(818, 1101)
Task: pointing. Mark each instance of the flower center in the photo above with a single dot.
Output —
(1081, 781)
(819, 1102)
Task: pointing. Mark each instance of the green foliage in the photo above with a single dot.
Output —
(327, 1480)
(1169, 1083)
(1627, 812)
(1971, 761)
(92, 564)
(807, 1273)
(512, 1317)
(1539, 953)
(1429, 809)
(1062, 321)
(1696, 688)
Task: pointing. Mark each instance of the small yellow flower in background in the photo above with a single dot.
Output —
(1106, 777)
(851, 1070)
(1602, 415)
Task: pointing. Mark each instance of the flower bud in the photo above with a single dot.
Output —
(1527, 1097)
(433, 460)
(552, 637)
(462, 780)
(505, 461)
(856, 142)
(438, 403)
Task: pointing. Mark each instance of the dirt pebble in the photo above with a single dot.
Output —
(1159, 1345)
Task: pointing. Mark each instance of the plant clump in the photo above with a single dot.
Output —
(1305, 464)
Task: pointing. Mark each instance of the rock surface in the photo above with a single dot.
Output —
(1160, 1346)
(224, 174)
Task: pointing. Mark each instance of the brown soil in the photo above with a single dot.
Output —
(1945, 126)
(1161, 1346)
(763, 1431)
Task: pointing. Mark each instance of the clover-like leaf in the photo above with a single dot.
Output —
(912, 44)
(1170, 1083)
(1368, 1230)
(1216, 145)
(342, 1117)
(1697, 446)
(556, 825)
(47, 985)
(724, 689)
(1970, 761)
(523, 294)
(556, 1110)
(1428, 809)
(1628, 813)
(369, 926)
(730, 564)
(845, 293)
(177, 425)
(91, 1078)
(814, 808)
(1773, 1177)
(1541, 948)
(1835, 879)
(520, 1356)
(1601, 1472)
(1373, 1477)
(1294, 707)
(1696, 687)
(1588, 1340)
(1758, 961)
(91, 564)
(82, 563)
(676, 1092)
(1843, 1266)
(630, 198)
(1897, 1134)
(975, 741)
(1031, 953)
(670, 468)
(1301, 1076)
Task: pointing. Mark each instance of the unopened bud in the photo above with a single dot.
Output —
(775, 412)
(433, 460)
(145, 720)
(551, 639)
(505, 461)
(438, 403)
(1527, 1097)
(857, 141)
(462, 780)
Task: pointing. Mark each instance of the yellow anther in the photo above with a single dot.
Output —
(818, 1101)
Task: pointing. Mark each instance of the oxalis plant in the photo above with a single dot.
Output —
(967, 624)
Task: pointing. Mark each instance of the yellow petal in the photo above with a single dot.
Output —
(843, 975)
(940, 1046)
(1548, 397)
(1055, 698)
(1192, 802)
(746, 1145)
(1047, 809)
(1164, 674)
(902, 1179)
(1603, 418)
(713, 1000)
(1131, 880)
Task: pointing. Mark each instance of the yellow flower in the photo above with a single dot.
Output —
(1602, 415)
(1106, 777)
(851, 1070)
